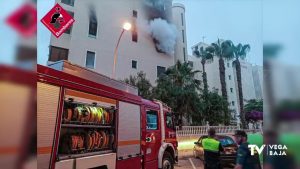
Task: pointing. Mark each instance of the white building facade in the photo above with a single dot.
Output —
(92, 39)
(178, 13)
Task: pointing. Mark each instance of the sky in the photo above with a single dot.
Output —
(8, 37)
(236, 20)
(43, 38)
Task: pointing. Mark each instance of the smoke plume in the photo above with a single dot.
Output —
(164, 34)
(158, 4)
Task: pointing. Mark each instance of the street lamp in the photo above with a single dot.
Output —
(127, 27)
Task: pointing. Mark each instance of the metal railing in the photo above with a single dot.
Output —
(186, 131)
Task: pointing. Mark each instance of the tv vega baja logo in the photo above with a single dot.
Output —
(272, 150)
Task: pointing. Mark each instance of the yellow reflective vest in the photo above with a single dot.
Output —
(211, 144)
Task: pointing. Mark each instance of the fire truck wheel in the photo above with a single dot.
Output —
(167, 162)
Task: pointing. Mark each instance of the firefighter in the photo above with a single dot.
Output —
(212, 148)
(244, 159)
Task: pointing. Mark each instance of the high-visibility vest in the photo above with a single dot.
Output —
(210, 144)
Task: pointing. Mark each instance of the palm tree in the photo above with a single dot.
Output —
(240, 51)
(207, 56)
(178, 88)
(223, 50)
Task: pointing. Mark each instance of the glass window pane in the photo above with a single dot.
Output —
(90, 60)
(93, 28)
(152, 120)
(134, 64)
(182, 36)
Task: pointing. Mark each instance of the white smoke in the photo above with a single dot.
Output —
(165, 34)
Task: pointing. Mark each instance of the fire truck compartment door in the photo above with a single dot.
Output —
(47, 110)
(129, 130)
(106, 161)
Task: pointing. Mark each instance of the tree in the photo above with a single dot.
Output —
(206, 55)
(240, 51)
(214, 107)
(178, 88)
(223, 50)
(253, 111)
(142, 83)
(254, 105)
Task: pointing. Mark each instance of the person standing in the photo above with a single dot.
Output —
(244, 159)
(212, 148)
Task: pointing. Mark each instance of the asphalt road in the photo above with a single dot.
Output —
(190, 163)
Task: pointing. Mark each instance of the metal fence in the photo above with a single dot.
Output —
(187, 131)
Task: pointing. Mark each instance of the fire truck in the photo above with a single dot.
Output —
(86, 120)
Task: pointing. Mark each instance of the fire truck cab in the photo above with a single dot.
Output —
(86, 120)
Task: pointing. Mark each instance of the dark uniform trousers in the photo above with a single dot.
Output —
(212, 148)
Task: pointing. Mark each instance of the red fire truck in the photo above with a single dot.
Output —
(86, 120)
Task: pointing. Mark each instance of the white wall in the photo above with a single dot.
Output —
(181, 45)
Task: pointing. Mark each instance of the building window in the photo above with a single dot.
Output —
(232, 103)
(90, 60)
(182, 19)
(134, 64)
(152, 120)
(191, 64)
(134, 13)
(160, 70)
(93, 25)
(68, 2)
(134, 35)
(57, 53)
(229, 76)
(182, 36)
(25, 53)
(183, 53)
(68, 31)
(231, 90)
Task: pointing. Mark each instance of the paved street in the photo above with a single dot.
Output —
(189, 163)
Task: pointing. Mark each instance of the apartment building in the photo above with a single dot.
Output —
(92, 39)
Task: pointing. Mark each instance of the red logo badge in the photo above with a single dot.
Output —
(57, 20)
(24, 20)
